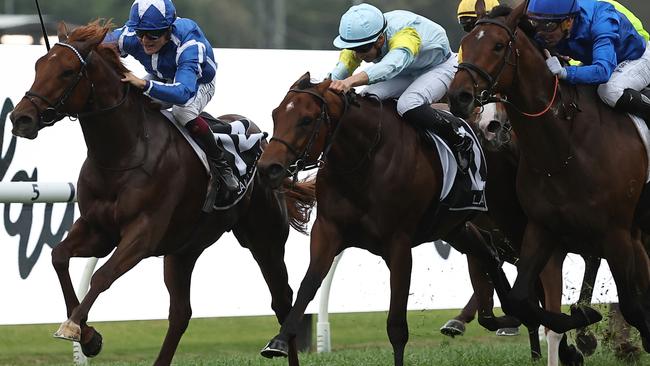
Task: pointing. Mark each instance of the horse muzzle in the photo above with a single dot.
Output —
(272, 174)
(24, 125)
(461, 104)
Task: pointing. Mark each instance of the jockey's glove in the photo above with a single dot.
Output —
(555, 66)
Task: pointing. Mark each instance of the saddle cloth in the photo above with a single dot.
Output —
(461, 191)
(242, 150)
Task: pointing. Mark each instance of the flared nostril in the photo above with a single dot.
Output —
(494, 126)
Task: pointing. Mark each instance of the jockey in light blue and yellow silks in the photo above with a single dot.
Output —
(411, 61)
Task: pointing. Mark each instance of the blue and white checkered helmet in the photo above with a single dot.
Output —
(151, 15)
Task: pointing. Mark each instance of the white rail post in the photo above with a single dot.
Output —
(323, 340)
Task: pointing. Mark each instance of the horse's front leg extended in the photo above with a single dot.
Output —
(325, 244)
(400, 264)
(178, 275)
(132, 248)
(82, 241)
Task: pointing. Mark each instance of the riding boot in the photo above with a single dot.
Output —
(636, 103)
(427, 118)
(200, 131)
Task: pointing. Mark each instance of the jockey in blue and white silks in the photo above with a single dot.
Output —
(412, 61)
(181, 66)
(609, 41)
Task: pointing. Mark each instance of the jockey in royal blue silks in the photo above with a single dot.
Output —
(181, 67)
(607, 38)
(412, 61)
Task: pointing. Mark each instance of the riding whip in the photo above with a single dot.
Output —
(40, 16)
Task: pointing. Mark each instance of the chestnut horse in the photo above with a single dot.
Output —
(377, 189)
(581, 174)
(141, 189)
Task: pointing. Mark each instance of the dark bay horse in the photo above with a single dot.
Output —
(141, 189)
(378, 189)
(506, 223)
(581, 175)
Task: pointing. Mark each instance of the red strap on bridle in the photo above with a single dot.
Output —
(557, 83)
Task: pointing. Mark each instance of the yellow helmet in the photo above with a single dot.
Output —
(467, 8)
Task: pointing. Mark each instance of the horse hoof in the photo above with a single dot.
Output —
(69, 331)
(453, 328)
(275, 348)
(508, 332)
(586, 342)
(585, 315)
(94, 346)
(571, 356)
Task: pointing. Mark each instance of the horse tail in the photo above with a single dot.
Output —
(300, 199)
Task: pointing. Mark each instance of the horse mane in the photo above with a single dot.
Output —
(108, 51)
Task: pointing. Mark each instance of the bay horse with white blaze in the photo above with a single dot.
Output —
(141, 189)
(581, 174)
(378, 189)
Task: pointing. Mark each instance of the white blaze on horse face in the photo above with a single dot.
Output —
(290, 106)
(480, 34)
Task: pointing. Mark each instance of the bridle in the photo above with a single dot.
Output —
(489, 95)
(52, 113)
(302, 158)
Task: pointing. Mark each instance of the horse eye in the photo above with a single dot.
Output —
(498, 47)
(305, 121)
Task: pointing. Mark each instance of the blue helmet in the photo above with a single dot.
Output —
(361, 24)
(552, 9)
(151, 15)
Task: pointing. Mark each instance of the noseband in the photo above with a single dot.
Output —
(52, 113)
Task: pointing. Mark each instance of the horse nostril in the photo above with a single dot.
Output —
(276, 171)
(465, 98)
(494, 126)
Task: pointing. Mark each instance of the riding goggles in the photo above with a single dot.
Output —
(546, 26)
(364, 48)
(467, 23)
(152, 35)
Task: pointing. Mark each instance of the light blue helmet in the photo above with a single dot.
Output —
(151, 15)
(361, 24)
(552, 9)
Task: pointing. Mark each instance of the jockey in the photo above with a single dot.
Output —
(467, 16)
(412, 61)
(181, 67)
(615, 55)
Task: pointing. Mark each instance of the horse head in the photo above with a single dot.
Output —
(61, 84)
(490, 65)
(303, 125)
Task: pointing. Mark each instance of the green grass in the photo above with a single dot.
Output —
(357, 339)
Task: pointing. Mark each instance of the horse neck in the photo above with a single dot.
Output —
(111, 136)
(356, 139)
(544, 140)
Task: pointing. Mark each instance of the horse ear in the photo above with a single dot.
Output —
(515, 16)
(306, 76)
(62, 31)
(480, 9)
(322, 87)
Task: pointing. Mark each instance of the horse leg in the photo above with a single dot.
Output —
(456, 326)
(130, 251)
(537, 247)
(268, 251)
(400, 263)
(178, 275)
(325, 244)
(558, 349)
(585, 339)
(631, 271)
(82, 241)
